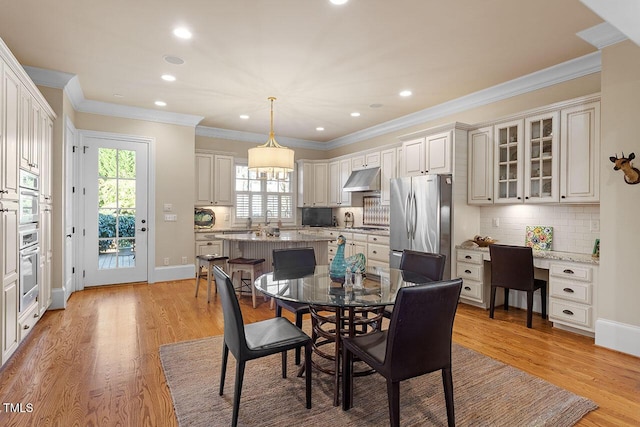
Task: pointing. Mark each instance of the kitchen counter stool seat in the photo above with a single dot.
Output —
(208, 261)
(251, 266)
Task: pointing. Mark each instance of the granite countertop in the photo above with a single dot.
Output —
(550, 255)
(376, 231)
(285, 236)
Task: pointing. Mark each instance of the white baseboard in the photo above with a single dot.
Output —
(174, 272)
(58, 299)
(618, 336)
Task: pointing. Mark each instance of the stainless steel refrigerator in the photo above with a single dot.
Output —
(421, 217)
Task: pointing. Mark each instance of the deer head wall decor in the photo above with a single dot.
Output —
(631, 174)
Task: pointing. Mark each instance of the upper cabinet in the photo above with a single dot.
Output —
(313, 184)
(365, 161)
(214, 180)
(388, 171)
(429, 154)
(339, 171)
(9, 131)
(30, 128)
(580, 144)
(548, 157)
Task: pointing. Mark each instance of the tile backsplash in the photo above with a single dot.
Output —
(575, 227)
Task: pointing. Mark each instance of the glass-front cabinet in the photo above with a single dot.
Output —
(509, 162)
(541, 158)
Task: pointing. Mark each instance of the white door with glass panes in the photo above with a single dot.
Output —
(115, 209)
(256, 197)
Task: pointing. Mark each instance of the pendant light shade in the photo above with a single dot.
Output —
(271, 160)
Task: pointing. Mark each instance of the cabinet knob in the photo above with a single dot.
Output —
(527, 198)
(488, 198)
(466, 288)
(519, 198)
(467, 256)
(563, 197)
(468, 271)
(375, 252)
(209, 244)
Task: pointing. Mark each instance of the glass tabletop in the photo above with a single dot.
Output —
(314, 286)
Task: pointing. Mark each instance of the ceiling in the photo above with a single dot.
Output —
(321, 61)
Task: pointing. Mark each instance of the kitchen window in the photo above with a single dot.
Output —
(254, 196)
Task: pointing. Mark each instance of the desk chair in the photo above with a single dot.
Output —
(255, 340)
(512, 268)
(417, 342)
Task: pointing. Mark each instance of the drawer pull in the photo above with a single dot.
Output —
(468, 271)
(375, 252)
(467, 257)
(466, 288)
(569, 312)
(26, 327)
(568, 271)
(209, 243)
(568, 290)
(375, 239)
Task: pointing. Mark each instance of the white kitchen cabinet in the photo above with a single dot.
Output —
(470, 267)
(571, 290)
(30, 137)
(46, 147)
(9, 129)
(508, 162)
(388, 171)
(214, 180)
(480, 177)
(313, 184)
(210, 247)
(377, 251)
(430, 154)
(46, 258)
(365, 161)
(541, 158)
(339, 172)
(580, 148)
(9, 264)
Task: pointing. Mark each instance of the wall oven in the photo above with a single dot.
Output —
(29, 195)
(29, 264)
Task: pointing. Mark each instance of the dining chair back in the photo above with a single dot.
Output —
(512, 268)
(418, 341)
(291, 263)
(255, 340)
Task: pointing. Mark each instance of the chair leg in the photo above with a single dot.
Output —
(298, 350)
(492, 303)
(543, 294)
(506, 299)
(253, 289)
(237, 392)
(284, 364)
(307, 367)
(198, 279)
(223, 370)
(209, 274)
(529, 309)
(393, 395)
(447, 382)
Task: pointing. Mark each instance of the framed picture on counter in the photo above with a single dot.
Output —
(596, 249)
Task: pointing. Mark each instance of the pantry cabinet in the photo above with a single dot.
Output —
(10, 275)
(9, 130)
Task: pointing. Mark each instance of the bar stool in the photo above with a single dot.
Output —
(208, 261)
(246, 265)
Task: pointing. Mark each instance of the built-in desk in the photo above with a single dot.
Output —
(572, 280)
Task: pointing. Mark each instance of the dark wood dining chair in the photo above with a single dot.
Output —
(512, 268)
(293, 262)
(255, 340)
(417, 342)
(425, 264)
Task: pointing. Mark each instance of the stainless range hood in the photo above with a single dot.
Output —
(363, 180)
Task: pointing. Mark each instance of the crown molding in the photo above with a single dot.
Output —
(565, 71)
(569, 70)
(602, 35)
(70, 84)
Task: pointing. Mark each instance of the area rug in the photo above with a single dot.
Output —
(486, 393)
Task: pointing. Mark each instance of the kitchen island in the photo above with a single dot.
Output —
(250, 245)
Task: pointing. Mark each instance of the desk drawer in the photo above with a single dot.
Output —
(27, 321)
(378, 252)
(570, 290)
(470, 271)
(356, 237)
(571, 271)
(381, 240)
(570, 313)
(471, 289)
(472, 257)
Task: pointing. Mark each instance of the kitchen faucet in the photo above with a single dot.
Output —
(266, 217)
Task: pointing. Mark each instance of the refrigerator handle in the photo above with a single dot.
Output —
(407, 212)
(415, 217)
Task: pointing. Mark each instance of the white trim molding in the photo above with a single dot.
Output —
(602, 35)
(618, 336)
(175, 272)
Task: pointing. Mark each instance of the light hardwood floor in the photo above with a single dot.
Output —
(97, 363)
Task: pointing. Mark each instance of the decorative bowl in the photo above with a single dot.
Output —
(483, 242)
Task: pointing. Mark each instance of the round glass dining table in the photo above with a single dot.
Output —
(338, 310)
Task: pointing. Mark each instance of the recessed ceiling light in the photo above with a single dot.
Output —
(338, 1)
(161, 103)
(319, 128)
(405, 93)
(175, 60)
(168, 78)
(244, 116)
(118, 95)
(355, 114)
(182, 32)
